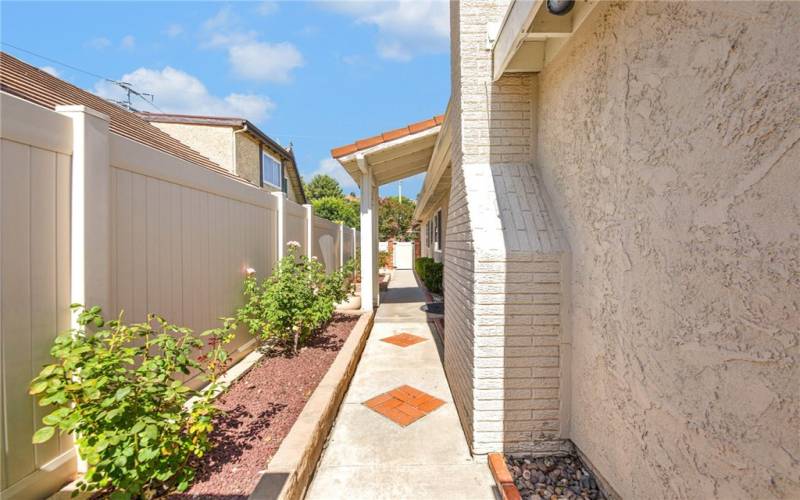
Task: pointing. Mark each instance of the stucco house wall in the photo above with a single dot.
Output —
(216, 143)
(248, 158)
(668, 141)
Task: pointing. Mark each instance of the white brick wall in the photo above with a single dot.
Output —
(504, 347)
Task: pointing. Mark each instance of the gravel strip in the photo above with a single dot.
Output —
(261, 408)
(553, 478)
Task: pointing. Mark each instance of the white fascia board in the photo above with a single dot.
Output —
(390, 144)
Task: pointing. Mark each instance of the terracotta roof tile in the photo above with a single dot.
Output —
(38, 87)
(390, 135)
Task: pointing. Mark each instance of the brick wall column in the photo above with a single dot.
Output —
(503, 258)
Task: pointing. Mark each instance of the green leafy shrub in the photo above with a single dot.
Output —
(118, 390)
(296, 300)
(430, 272)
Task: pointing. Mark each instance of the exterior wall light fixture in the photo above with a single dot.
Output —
(560, 7)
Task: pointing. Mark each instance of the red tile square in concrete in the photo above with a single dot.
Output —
(404, 405)
(404, 339)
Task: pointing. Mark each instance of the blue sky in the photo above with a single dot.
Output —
(318, 74)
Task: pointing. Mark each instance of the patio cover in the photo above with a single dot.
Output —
(375, 161)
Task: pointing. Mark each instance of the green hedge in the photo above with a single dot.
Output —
(430, 272)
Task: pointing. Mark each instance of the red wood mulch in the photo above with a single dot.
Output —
(260, 409)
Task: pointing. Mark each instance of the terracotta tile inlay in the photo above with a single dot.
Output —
(404, 339)
(404, 405)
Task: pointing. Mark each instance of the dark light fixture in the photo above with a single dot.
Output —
(560, 7)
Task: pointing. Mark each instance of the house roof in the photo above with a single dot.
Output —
(216, 121)
(390, 135)
(232, 121)
(34, 85)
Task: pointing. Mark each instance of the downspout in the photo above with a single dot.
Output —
(235, 152)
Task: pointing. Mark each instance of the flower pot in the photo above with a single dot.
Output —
(351, 304)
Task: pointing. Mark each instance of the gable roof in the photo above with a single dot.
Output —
(387, 136)
(237, 122)
(34, 85)
(216, 121)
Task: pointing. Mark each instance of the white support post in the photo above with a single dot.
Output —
(91, 209)
(309, 230)
(368, 269)
(281, 236)
(376, 296)
(90, 224)
(341, 245)
(355, 242)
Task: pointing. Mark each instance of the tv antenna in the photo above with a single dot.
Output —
(129, 93)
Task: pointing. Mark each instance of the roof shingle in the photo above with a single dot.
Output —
(390, 135)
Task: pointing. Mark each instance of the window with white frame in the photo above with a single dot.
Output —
(437, 237)
(271, 171)
(428, 234)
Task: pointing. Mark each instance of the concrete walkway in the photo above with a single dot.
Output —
(369, 456)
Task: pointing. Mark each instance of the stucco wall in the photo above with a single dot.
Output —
(668, 140)
(216, 143)
(248, 160)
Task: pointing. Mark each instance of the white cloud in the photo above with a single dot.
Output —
(394, 51)
(268, 62)
(174, 30)
(50, 71)
(99, 43)
(267, 8)
(179, 92)
(229, 39)
(405, 27)
(329, 166)
(128, 42)
(250, 58)
(224, 18)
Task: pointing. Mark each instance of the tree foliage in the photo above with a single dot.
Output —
(323, 186)
(395, 217)
(338, 210)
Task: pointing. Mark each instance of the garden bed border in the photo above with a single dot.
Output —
(503, 478)
(509, 491)
(291, 468)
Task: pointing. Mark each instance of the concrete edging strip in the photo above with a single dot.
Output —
(289, 472)
(502, 477)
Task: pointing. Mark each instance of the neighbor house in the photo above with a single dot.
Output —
(613, 192)
(239, 147)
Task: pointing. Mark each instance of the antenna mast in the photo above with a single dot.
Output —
(129, 92)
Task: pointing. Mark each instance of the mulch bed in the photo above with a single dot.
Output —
(260, 409)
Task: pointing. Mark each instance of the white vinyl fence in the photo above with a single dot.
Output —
(89, 216)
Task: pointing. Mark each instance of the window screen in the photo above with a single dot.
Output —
(271, 171)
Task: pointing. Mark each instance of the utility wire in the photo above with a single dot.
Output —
(58, 62)
(75, 68)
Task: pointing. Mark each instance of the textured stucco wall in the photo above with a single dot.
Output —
(216, 143)
(248, 160)
(668, 141)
